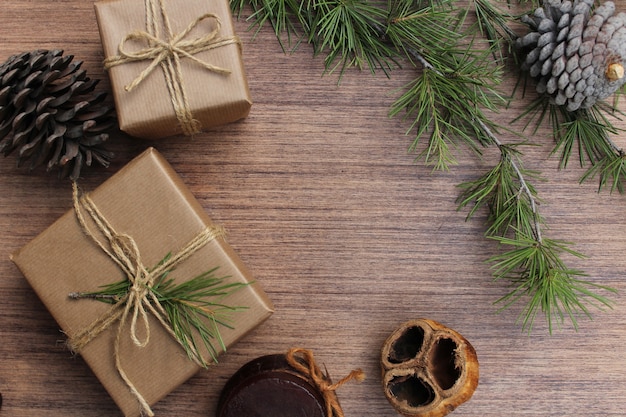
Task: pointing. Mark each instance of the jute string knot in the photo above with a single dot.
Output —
(168, 53)
(139, 302)
(303, 361)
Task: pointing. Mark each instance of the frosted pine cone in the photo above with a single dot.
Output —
(576, 53)
(49, 113)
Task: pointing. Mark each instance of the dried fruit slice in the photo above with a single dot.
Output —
(428, 369)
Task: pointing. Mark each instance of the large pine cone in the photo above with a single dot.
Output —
(50, 114)
(576, 53)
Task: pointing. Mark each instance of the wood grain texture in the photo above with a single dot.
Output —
(348, 236)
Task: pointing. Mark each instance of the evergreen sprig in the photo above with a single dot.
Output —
(508, 195)
(450, 102)
(346, 30)
(533, 265)
(537, 273)
(585, 132)
(193, 308)
(493, 23)
(447, 102)
(287, 17)
(436, 105)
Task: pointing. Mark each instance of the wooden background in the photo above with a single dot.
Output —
(348, 236)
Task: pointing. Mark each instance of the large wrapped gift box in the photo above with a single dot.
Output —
(147, 201)
(214, 97)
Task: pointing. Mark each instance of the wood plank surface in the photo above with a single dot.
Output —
(348, 236)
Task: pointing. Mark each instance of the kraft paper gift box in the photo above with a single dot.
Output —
(215, 96)
(147, 201)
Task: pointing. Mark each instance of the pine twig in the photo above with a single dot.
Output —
(524, 188)
(533, 265)
(586, 131)
(192, 308)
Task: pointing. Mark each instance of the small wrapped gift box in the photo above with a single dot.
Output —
(175, 69)
(147, 202)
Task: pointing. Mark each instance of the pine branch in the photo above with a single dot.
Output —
(538, 275)
(286, 17)
(452, 92)
(193, 308)
(447, 103)
(346, 30)
(505, 190)
(534, 266)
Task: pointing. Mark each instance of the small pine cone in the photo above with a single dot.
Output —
(50, 114)
(576, 53)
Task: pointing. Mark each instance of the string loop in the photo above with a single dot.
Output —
(303, 361)
(139, 302)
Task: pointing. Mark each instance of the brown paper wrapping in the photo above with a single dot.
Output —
(147, 111)
(149, 202)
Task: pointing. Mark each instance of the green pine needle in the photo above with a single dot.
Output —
(585, 132)
(508, 195)
(446, 107)
(447, 101)
(537, 273)
(534, 266)
(194, 308)
(347, 30)
(493, 23)
(287, 17)
(610, 170)
(423, 27)
(425, 104)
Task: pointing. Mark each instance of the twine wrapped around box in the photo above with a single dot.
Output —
(147, 200)
(168, 53)
(139, 300)
(193, 45)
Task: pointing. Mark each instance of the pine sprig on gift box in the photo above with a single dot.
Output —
(452, 101)
(192, 309)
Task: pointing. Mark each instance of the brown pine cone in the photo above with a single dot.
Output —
(576, 53)
(50, 114)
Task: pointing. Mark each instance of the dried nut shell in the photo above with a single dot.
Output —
(428, 369)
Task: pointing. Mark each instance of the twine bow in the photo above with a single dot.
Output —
(139, 301)
(168, 53)
(303, 361)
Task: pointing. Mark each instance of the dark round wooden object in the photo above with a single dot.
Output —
(269, 387)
